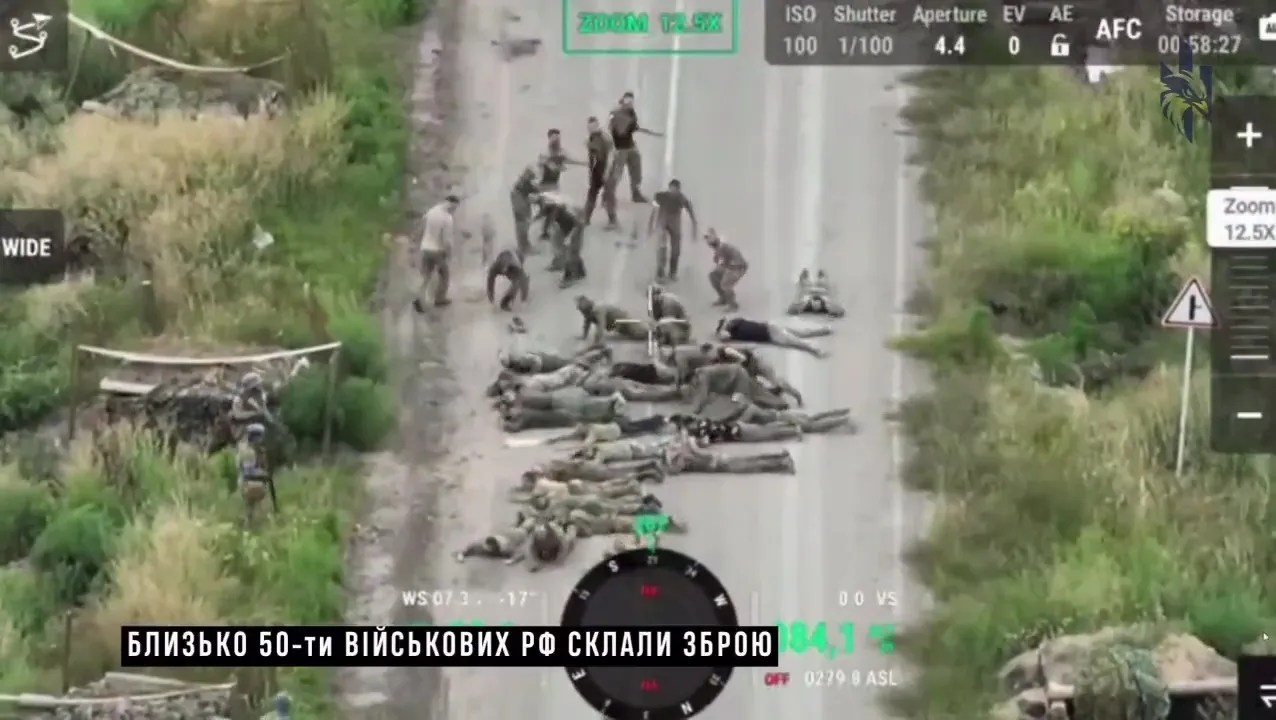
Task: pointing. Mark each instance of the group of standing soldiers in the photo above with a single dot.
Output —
(611, 153)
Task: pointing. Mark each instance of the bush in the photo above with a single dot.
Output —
(24, 511)
(363, 416)
(362, 346)
(74, 549)
(366, 413)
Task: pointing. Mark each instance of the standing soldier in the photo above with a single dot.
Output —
(668, 208)
(255, 479)
(624, 124)
(521, 202)
(436, 251)
(600, 147)
(729, 266)
(552, 162)
(569, 237)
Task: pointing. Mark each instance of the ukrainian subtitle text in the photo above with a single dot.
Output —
(421, 646)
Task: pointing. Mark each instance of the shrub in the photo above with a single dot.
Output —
(363, 416)
(362, 347)
(366, 413)
(74, 549)
(24, 511)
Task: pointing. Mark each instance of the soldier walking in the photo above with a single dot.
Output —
(624, 125)
(599, 147)
(436, 251)
(667, 216)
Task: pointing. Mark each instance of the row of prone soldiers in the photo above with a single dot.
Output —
(599, 487)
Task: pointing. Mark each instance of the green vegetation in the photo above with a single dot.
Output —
(1068, 216)
(117, 529)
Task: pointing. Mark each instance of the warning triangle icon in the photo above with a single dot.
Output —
(1191, 309)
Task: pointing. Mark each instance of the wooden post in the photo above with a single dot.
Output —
(334, 360)
(74, 370)
(68, 619)
(75, 67)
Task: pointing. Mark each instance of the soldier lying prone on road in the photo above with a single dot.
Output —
(815, 297)
(610, 432)
(741, 330)
(759, 368)
(558, 411)
(689, 457)
(569, 375)
(502, 545)
(725, 380)
(594, 471)
(713, 432)
(550, 543)
(626, 450)
(534, 362)
(745, 411)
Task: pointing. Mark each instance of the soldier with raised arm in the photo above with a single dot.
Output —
(624, 125)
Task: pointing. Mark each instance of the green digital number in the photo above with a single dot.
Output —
(884, 636)
(797, 637)
(848, 638)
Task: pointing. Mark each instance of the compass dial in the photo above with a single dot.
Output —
(641, 587)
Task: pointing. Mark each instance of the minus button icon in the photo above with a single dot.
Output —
(1249, 415)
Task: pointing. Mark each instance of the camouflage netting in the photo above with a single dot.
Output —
(195, 410)
(147, 93)
(1121, 683)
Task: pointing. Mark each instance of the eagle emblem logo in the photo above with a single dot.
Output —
(1187, 93)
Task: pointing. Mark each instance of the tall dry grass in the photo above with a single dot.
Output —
(181, 196)
(1058, 510)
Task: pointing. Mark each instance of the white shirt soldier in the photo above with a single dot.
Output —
(437, 239)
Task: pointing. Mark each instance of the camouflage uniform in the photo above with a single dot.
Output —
(627, 450)
(630, 390)
(687, 458)
(501, 545)
(550, 543)
(728, 379)
(808, 422)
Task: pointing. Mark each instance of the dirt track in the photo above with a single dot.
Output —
(389, 550)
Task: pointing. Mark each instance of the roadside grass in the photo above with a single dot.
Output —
(116, 529)
(1067, 217)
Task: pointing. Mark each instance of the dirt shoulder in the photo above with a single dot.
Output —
(392, 550)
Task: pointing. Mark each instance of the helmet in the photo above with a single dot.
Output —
(250, 381)
(255, 431)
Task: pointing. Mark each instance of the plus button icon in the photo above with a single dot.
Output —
(1249, 136)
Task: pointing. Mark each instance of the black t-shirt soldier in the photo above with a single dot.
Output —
(666, 218)
(550, 167)
(624, 125)
(599, 146)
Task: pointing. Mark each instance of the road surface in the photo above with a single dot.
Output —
(801, 168)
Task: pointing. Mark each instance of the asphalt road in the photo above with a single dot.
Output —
(799, 168)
